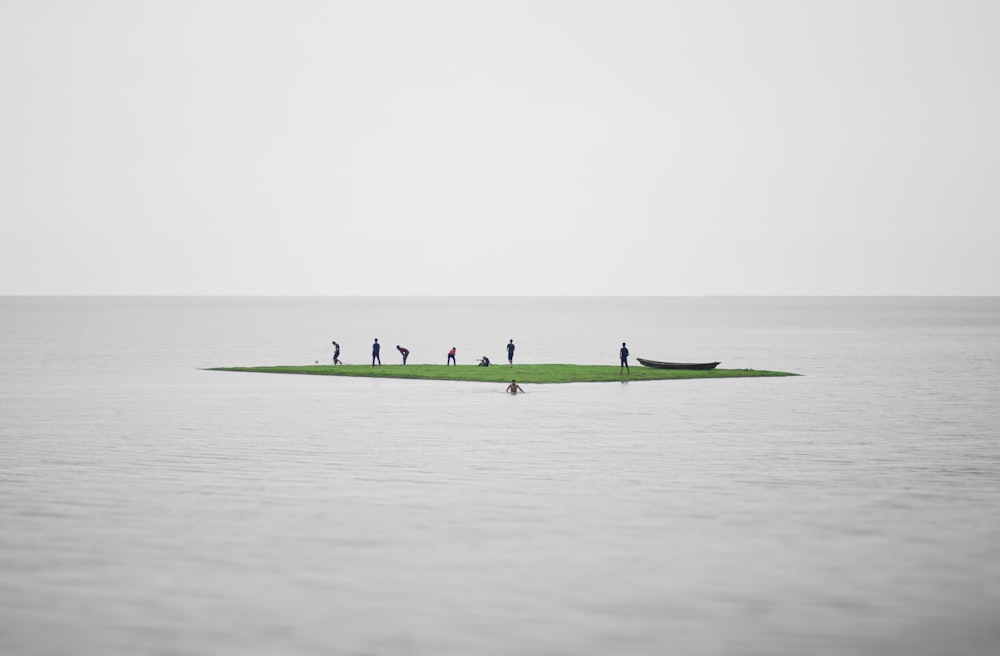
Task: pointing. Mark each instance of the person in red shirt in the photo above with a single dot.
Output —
(405, 351)
(451, 357)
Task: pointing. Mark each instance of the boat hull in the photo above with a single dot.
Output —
(693, 366)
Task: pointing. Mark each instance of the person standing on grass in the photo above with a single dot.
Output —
(510, 353)
(336, 353)
(451, 357)
(623, 354)
(405, 351)
(514, 388)
(376, 347)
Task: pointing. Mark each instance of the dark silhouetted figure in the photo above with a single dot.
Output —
(510, 353)
(376, 347)
(623, 353)
(451, 357)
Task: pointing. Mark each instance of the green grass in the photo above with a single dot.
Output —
(524, 373)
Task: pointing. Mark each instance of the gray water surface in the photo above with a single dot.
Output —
(149, 506)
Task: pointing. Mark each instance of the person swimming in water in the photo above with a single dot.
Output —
(514, 388)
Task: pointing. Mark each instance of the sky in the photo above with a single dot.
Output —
(544, 147)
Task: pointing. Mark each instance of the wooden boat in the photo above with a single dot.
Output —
(700, 366)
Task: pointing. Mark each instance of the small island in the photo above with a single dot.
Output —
(524, 373)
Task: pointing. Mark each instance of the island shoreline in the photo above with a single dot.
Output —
(535, 374)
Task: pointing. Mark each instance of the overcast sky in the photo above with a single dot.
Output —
(539, 147)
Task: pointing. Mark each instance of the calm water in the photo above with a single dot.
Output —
(150, 507)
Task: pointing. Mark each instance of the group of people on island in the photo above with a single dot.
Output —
(484, 361)
(405, 352)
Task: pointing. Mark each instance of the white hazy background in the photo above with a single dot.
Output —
(541, 147)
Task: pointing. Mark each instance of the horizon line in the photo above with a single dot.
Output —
(572, 295)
